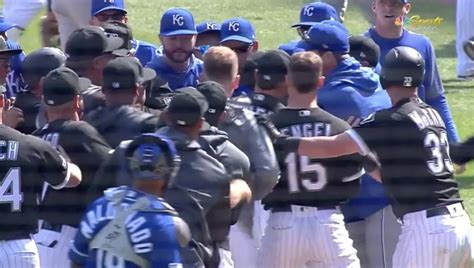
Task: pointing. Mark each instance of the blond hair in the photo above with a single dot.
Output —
(221, 64)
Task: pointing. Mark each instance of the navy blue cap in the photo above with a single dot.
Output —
(99, 6)
(316, 12)
(238, 29)
(208, 26)
(177, 21)
(325, 37)
(5, 25)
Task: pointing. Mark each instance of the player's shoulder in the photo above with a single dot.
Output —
(418, 37)
(140, 44)
(239, 114)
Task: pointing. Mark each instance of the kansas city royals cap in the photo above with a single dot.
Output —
(316, 12)
(61, 85)
(125, 73)
(5, 51)
(5, 25)
(187, 106)
(177, 21)
(217, 99)
(92, 41)
(363, 48)
(325, 37)
(99, 6)
(208, 26)
(238, 29)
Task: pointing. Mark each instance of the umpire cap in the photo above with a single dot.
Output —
(153, 157)
(40, 62)
(402, 66)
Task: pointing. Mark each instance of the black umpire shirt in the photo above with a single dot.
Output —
(26, 162)
(308, 181)
(411, 142)
(87, 149)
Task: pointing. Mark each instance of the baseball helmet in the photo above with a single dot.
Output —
(469, 48)
(402, 66)
(153, 157)
(40, 62)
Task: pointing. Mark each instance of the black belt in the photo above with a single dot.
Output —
(51, 227)
(287, 208)
(433, 212)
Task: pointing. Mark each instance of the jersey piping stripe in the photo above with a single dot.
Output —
(66, 179)
(354, 177)
(363, 148)
(73, 248)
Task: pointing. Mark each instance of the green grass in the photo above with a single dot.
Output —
(272, 19)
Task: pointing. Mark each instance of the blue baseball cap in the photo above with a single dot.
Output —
(208, 26)
(177, 21)
(325, 37)
(316, 12)
(238, 29)
(4, 25)
(99, 6)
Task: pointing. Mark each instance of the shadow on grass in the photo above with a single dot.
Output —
(454, 87)
(466, 182)
(446, 50)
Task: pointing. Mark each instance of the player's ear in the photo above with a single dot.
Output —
(321, 81)
(77, 102)
(373, 5)
(235, 84)
(125, 20)
(2, 101)
(255, 46)
(406, 8)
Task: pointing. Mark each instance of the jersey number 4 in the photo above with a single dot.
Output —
(10, 192)
(439, 147)
(316, 172)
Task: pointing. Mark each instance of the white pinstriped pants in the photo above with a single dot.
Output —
(53, 247)
(440, 241)
(21, 253)
(464, 31)
(307, 237)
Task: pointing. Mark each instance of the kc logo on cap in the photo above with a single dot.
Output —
(178, 20)
(234, 26)
(308, 11)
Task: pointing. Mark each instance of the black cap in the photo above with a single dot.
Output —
(363, 48)
(125, 73)
(5, 51)
(40, 62)
(272, 67)
(121, 30)
(187, 106)
(61, 85)
(91, 42)
(217, 99)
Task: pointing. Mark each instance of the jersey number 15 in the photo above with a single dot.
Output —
(312, 175)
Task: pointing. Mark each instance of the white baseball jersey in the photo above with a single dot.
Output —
(20, 253)
(53, 247)
(440, 241)
(307, 237)
(464, 31)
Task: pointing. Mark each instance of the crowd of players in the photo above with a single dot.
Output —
(330, 151)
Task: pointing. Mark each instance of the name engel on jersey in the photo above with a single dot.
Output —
(139, 235)
(307, 130)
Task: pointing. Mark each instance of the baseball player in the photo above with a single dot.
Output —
(119, 120)
(221, 65)
(389, 34)
(61, 211)
(104, 11)
(410, 140)
(133, 226)
(208, 35)
(177, 66)
(309, 15)
(464, 31)
(306, 225)
(26, 162)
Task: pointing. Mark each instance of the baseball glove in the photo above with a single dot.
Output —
(469, 48)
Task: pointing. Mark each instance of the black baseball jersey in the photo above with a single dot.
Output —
(411, 142)
(26, 162)
(87, 149)
(308, 181)
(265, 104)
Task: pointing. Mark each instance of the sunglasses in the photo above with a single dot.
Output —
(115, 17)
(242, 49)
(303, 31)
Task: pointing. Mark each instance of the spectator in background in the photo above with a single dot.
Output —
(464, 31)
(177, 65)
(20, 13)
(107, 11)
(208, 36)
(71, 15)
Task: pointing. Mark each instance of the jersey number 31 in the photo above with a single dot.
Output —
(10, 192)
(315, 171)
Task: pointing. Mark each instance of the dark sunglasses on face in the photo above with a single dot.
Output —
(303, 31)
(242, 49)
(105, 17)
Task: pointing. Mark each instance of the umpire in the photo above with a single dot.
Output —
(61, 210)
(120, 120)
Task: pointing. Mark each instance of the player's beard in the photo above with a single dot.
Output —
(171, 54)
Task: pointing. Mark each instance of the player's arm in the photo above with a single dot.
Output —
(327, 147)
(167, 247)
(79, 247)
(54, 168)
